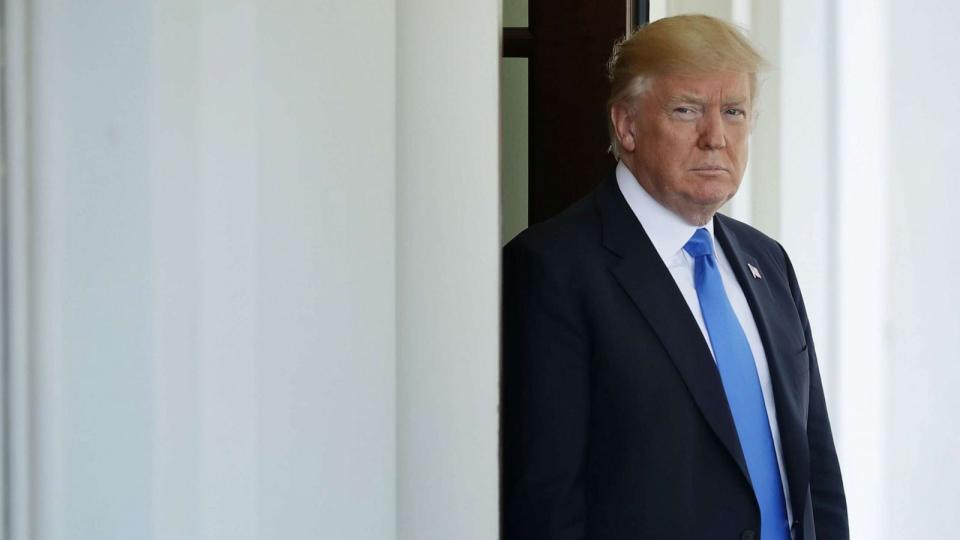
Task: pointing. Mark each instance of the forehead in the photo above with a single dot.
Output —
(716, 86)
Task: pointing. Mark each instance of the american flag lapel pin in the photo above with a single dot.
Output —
(754, 271)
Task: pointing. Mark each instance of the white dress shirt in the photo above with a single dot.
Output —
(669, 233)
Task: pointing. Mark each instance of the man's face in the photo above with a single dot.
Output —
(686, 140)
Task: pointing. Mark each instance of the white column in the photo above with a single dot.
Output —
(214, 297)
(230, 259)
(175, 156)
(806, 179)
(18, 212)
(326, 299)
(92, 297)
(204, 197)
(448, 262)
(860, 252)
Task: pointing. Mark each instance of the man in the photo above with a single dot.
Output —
(659, 376)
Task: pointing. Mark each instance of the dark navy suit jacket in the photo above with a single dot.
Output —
(615, 424)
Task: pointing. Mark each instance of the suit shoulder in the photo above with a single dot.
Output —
(766, 248)
(573, 232)
(751, 236)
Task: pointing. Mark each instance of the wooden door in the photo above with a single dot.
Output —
(567, 44)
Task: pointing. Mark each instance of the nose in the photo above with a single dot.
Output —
(712, 136)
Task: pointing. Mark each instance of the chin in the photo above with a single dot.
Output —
(710, 203)
(712, 197)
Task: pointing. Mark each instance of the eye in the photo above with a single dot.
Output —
(684, 112)
(739, 113)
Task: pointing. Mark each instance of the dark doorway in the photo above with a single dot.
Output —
(566, 44)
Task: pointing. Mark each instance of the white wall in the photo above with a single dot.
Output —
(923, 331)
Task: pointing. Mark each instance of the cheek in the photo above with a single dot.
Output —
(740, 147)
(676, 150)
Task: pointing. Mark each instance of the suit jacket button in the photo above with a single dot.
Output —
(748, 535)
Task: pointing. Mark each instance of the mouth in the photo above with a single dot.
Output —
(709, 170)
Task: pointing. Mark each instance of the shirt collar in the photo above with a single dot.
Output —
(668, 231)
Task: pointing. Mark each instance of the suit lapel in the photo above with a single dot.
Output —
(649, 284)
(789, 390)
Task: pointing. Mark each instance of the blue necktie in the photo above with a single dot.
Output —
(742, 386)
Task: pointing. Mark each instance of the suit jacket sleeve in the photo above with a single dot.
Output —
(545, 378)
(826, 484)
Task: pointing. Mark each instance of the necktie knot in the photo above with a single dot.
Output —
(700, 244)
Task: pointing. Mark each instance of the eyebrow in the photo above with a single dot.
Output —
(688, 98)
(699, 100)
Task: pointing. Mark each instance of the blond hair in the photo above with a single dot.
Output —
(682, 45)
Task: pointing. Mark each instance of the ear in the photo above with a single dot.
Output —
(624, 126)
